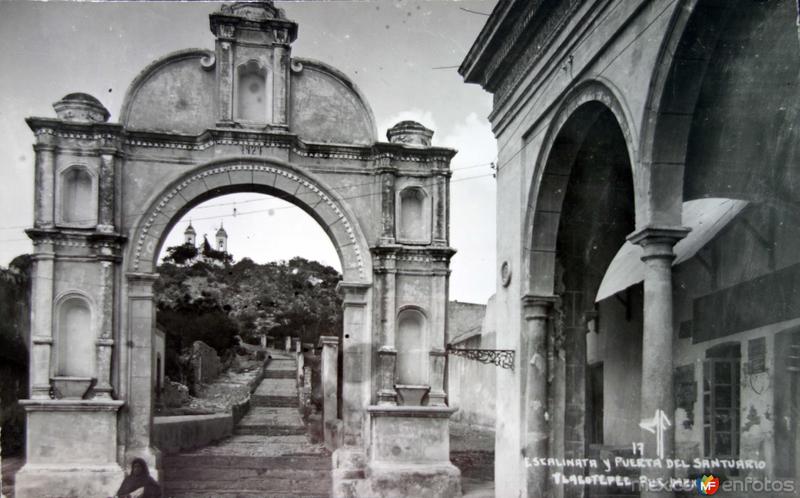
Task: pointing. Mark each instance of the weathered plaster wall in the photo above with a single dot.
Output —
(619, 346)
(472, 385)
(322, 100)
(175, 94)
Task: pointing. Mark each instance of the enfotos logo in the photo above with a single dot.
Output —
(707, 485)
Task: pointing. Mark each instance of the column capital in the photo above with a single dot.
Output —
(658, 241)
(353, 293)
(538, 307)
(328, 340)
(143, 278)
(658, 235)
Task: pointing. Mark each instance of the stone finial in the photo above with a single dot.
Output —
(254, 11)
(409, 133)
(81, 107)
(258, 16)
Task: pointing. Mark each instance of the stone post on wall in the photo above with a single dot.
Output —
(349, 459)
(537, 311)
(142, 321)
(288, 345)
(300, 364)
(330, 382)
(658, 402)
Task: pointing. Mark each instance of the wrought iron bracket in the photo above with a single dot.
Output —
(503, 358)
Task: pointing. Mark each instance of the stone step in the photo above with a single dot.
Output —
(174, 474)
(284, 401)
(280, 374)
(269, 430)
(298, 461)
(224, 493)
(277, 387)
(320, 485)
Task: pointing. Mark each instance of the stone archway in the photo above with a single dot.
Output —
(183, 137)
(268, 176)
(584, 186)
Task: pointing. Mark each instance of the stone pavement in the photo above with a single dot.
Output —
(472, 451)
(268, 455)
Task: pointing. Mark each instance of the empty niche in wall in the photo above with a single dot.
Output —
(412, 350)
(77, 197)
(252, 102)
(414, 215)
(76, 341)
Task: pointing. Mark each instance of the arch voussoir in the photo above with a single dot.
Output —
(282, 180)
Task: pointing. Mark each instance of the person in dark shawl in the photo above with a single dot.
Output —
(138, 483)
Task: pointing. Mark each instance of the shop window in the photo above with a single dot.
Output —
(75, 339)
(721, 400)
(252, 95)
(412, 351)
(414, 216)
(77, 197)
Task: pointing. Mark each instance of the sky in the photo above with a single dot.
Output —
(401, 54)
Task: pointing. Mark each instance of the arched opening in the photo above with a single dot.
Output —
(252, 101)
(274, 277)
(75, 338)
(415, 215)
(412, 349)
(584, 212)
(77, 199)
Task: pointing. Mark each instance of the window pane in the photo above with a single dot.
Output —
(722, 444)
(723, 421)
(722, 372)
(723, 397)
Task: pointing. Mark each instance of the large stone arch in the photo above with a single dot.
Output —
(674, 89)
(184, 139)
(548, 185)
(269, 176)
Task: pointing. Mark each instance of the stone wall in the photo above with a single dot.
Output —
(205, 363)
(174, 434)
(471, 384)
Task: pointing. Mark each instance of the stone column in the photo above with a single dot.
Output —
(105, 341)
(330, 382)
(105, 218)
(437, 339)
(657, 360)
(288, 345)
(537, 312)
(141, 322)
(225, 77)
(440, 235)
(387, 207)
(45, 186)
(280, 84)
(41, 321)
(387, 353)
(356, 359)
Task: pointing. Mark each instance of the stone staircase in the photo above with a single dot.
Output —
(269, 454)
